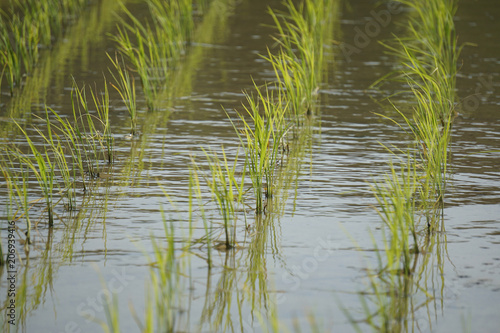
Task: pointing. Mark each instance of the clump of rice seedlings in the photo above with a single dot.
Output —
(43, 165)
(227, 191)
(396, 197)
(83, 147)
(90, 131)
(262, 137)
(432, 138)
(125, 85)
(154, 49)
(293, 79)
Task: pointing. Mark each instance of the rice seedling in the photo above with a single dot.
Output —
(396, 198)
(43, 165)
(90, 133)
(263, 139)
(195, 192)
(226, 189)
(125, 85)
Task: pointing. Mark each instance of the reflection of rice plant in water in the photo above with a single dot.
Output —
(164, 291)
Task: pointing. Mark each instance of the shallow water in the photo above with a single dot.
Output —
(315, 256)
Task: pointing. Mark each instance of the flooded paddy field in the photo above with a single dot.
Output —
(142, 243)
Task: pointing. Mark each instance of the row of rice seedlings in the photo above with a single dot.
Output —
(429, 56)
(429, 59)
(303, 32)
(153, 50)
(163, 296)
(28, 26)
(19, 54)
(262, 134)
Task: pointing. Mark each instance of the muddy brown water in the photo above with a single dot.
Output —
(315, 256)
